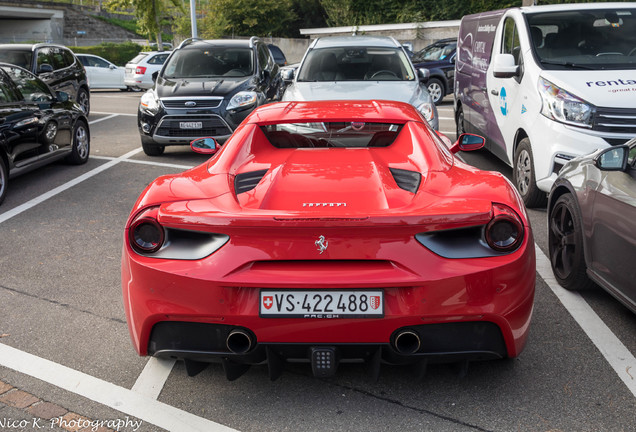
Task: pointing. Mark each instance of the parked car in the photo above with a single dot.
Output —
(206, 88)
(360, 67)
(592, 223)
(56, 65)
(102, 74)
(278, 55)
(439, 59)
(324, 232)
(138, 71)
(37, 125)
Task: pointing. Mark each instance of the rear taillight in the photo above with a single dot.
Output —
(145, 234)
(140, 70)
(504, 233)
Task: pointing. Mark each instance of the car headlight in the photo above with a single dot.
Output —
(561, 106)
(149, 103)
(427, 110)
(242, 99)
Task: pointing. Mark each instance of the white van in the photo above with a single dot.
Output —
(545, 84)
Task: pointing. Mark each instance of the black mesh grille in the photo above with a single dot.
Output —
(211, 126)
(247, 181)
(617, 120)
(407, 180)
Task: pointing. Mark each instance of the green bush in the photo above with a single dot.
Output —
(118, 53)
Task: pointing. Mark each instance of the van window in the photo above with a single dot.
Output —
(511, 39)
(595, 39)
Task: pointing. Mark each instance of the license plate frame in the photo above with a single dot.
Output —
(321, 304)
(191, 125)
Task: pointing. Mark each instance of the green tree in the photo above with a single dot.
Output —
(149, 14)
(247, 18)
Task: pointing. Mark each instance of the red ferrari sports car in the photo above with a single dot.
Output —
(328, 232)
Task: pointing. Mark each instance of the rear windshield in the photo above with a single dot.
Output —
(17, 57)
(593, 39)
(139, 58)
(333, 134)
(210, 61)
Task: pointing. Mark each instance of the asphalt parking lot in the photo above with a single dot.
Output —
(64, 339)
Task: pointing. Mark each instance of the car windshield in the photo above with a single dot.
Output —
(356, 64)
(210, 61)
(138, 58)
(351, 134)
(585, 39)
(17, 57)
(435, 52)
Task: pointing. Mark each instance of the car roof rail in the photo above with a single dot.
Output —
(188, 41)
(253, 40)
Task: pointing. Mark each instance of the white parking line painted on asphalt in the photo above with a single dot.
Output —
(39, 199)
(121, 399)
(142, 162)
(119, 114)
(616, 354)
(153, 377)
(102, 119)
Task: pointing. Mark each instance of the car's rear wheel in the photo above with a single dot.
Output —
(436, 90)
(4, 179)
(83, 99)
(152, 149)
(81, 144)
(524, 177)
(459, 121)
(565, 242)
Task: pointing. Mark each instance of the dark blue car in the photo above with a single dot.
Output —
(439, 59)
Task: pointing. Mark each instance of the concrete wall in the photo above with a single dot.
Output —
(26, 24)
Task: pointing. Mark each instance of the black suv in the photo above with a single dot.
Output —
(56, 65)
(205, 89)
(439, 59)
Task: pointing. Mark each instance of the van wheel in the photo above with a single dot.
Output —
(4, 180)
(436, 90)
(524, 178)
(459, 122)
(153, 150)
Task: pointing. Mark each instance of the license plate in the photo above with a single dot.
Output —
(191, 125)
(321, 304)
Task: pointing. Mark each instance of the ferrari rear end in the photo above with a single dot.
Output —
(328, 255)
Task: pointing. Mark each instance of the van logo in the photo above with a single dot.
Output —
(503, 103)
(190, 104)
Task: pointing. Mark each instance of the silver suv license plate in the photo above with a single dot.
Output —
(321, 304)
(191, 125)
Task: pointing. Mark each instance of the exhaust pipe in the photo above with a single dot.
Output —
(239, 341)
(407, 342)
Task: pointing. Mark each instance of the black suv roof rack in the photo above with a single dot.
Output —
(253, 39)
(188, 42)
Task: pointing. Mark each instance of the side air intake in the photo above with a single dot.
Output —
(247, 181)
(407, 180)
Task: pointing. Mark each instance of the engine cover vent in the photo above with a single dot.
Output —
(247, 181)
(407, 180)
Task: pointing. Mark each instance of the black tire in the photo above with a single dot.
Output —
(152, 149)
(4, 180)
(84, 100)
(565, 242)
(81, 144)
(524, 178)
(459, 122)
(436, 90)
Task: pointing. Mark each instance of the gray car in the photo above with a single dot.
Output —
(592, 223)
(360, 68)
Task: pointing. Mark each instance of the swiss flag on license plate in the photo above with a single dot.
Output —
(268, 302)
(375, 302)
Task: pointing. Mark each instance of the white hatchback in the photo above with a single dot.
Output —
(140, 69)
(101, 73)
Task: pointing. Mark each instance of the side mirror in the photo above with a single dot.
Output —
(288, 75)
(154, 75)
(505, 66)
(206, 145)
(468, 142)
(613, 159)
(62, 96)
(112, 67)
(45, 68)
(423, 74)
(265, 75)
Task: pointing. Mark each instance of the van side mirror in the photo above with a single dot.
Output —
(205, 145)
(154, 75)
(613, 159)
(468, 142)
(288, 74)
(505, 66)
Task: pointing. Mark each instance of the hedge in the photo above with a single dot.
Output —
(118, 53)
